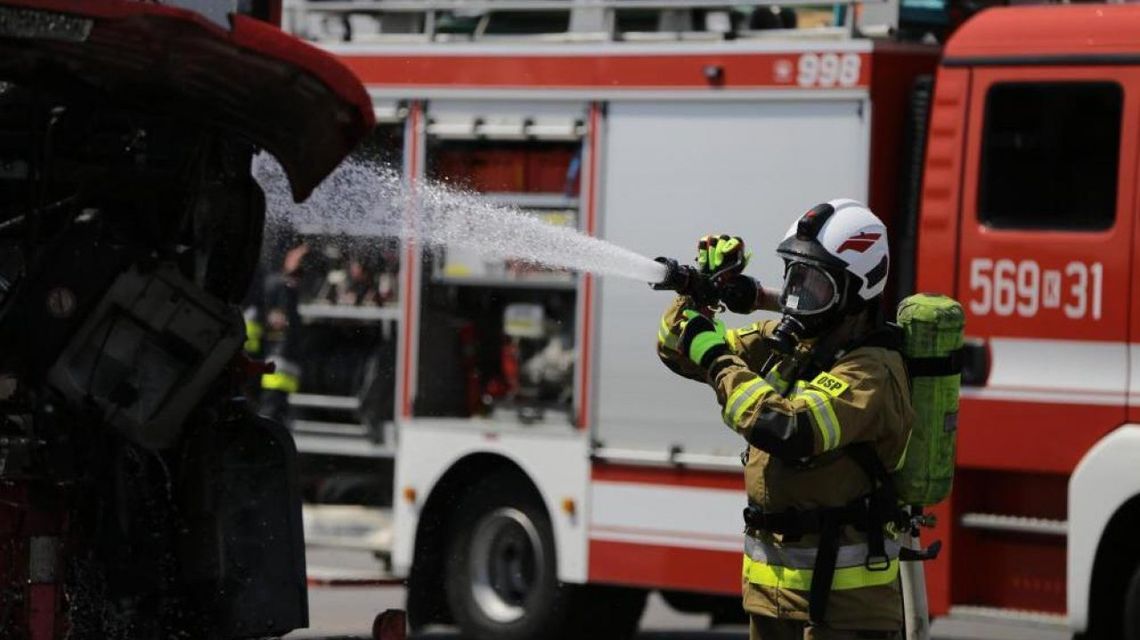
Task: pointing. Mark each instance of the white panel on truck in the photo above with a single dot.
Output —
(673, 172)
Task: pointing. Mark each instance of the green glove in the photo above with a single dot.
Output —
(702, 339)
(720, 256)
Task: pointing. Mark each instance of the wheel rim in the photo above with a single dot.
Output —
(506, 563)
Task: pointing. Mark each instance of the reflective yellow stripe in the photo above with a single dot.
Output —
(742, 399)
(253, 333)
(733, 340)
(813, 405)
(666, 337)
(777, 381)
(906, 447)
(767, 575)
(825, 419)
(280, 382)
(735, 398)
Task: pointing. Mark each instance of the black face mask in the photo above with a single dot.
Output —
(793, 329)
(786, 335)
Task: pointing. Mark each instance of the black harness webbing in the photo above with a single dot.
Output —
(869, 514)
(935, 367)
(824, 570)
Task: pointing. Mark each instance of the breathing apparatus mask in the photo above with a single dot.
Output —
(812, 302)
(834, 266)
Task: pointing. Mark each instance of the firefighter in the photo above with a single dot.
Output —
(253, 310)
(822, 398)
(281, 342)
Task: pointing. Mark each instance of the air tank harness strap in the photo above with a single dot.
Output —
(794, 524)
(936, 367)
(869, 514)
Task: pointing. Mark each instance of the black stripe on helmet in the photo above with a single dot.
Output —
(876, 275)
(812, 221)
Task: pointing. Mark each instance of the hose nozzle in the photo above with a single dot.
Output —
(676, 276)
(687, 281)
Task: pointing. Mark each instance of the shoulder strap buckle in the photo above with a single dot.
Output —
(877, 562)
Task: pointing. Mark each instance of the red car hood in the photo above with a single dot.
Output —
(291, 99)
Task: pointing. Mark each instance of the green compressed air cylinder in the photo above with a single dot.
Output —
(933, 326)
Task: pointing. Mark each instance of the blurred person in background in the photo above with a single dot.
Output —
(280, 341)
(360, 285)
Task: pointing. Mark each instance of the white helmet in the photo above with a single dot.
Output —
(836, 258)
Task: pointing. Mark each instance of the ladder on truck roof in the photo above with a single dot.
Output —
(569, 21)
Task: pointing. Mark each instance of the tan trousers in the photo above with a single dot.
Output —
(765, 628)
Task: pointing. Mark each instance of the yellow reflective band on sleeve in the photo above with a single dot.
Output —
(732, 337)
(253, 333)
(830, 384)
(777, 381)
(824, 415)
(279, 381)
(742, 399)
(767, 575)
(666, 337)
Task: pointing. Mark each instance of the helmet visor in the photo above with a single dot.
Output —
(808, 289)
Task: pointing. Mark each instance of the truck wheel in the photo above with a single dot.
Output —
(500, 574)
(1132, 608)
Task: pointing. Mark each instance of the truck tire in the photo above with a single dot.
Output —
(1132, 608)
(500, 573)
(501, 577)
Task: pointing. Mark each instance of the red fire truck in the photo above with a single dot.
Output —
(1004, 164)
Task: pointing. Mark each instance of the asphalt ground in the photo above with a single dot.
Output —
(346, 612)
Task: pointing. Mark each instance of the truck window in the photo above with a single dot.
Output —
(1049, 155)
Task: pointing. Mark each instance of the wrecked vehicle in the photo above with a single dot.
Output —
(140, 496)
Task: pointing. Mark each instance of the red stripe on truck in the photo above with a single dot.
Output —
(676, 477)
(663, 567)
(592, 69)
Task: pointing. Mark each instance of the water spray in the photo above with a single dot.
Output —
(363, 197)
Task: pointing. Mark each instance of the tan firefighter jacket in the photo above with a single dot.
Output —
(798, 429)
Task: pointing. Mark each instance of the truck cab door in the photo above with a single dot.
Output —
(1045, 262)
